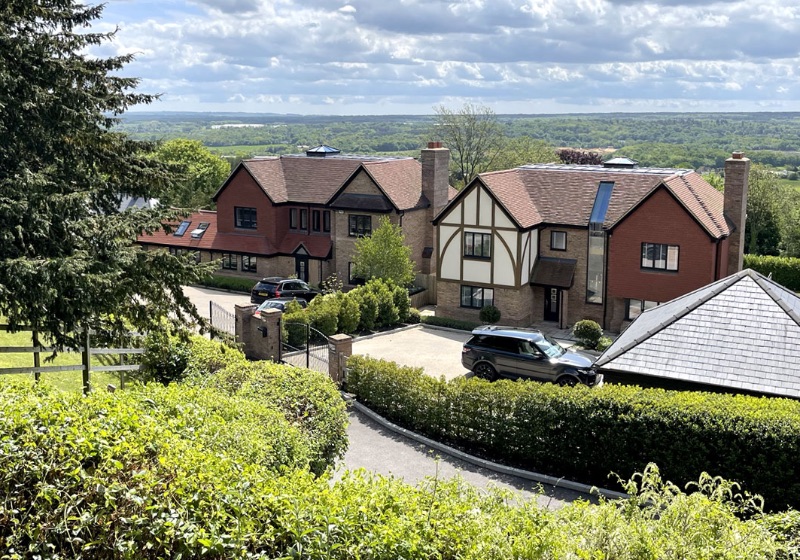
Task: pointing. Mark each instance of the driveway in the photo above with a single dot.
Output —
(201, 296)
(437, 351)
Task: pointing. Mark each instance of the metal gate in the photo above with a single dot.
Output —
(304, 346)
(222, 320)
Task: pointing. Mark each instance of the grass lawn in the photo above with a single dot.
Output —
(64, 380)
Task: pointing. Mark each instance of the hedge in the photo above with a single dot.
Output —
(784, 270)
(584, 434)
(232, 283)
(195, 472)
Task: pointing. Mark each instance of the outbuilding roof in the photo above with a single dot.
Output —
(739, 333)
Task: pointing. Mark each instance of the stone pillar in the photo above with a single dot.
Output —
(737, 169)
(260, 337)
(340, 347)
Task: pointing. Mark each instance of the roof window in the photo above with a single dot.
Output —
(182, 228)
(201, 229)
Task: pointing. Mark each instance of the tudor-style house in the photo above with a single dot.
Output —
(562, 243)
(301, 214)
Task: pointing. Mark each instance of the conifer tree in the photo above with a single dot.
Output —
(68, 257)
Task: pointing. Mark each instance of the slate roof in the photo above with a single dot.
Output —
(564, 194)
(739, 333)
(315, 180)
(550, 271)
(252, 244)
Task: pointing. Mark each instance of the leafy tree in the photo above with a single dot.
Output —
(68, 256)
(715, 180)
(384, 255)
(474, 136)
(201, 173)
(523, 150)
(765, 198)
(579, 157)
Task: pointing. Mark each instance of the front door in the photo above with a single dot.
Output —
(301, 268)
(552, 303)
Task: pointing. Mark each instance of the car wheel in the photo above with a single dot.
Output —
(567, 381)
(485, 371)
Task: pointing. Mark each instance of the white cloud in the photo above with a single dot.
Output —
(350, 56)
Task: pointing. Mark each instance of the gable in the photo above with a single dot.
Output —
(361, 192)
(240, 176)
(476, 205)
(660, 206)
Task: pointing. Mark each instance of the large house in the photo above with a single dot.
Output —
(301, 214)
(562, 243)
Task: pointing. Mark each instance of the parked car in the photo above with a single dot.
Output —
(276, 287)
(493, 352)
(279, 304)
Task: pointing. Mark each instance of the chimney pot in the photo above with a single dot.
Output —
(737, 155)
(434, 145)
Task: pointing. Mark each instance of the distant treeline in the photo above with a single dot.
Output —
(692, 140)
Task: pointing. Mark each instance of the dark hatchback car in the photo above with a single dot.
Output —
(277, 287)
(493, 352)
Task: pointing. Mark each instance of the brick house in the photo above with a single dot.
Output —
(562, 243)
(301, 214)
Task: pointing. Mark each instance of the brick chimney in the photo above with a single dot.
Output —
(435, 161)
(737, 168)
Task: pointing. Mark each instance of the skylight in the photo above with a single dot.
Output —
(182, 228)
(201, 229)
(601, 201)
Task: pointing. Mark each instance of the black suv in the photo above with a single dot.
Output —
(494, 352)
(277, 287)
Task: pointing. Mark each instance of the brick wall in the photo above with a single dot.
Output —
(244, 192)
(515, 306)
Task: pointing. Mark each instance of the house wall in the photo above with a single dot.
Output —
(659, 219)
(344, 246)
(515, 305)
(244, 192)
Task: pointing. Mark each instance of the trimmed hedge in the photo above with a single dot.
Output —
(449, 323)
(784, 270)
(232, 283)
(585, 434)
(191, 472)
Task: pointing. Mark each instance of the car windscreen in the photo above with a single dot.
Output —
(550, 347)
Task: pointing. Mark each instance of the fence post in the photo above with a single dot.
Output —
(86, 355)
(308, 345)
(211, 320)
(37, 363)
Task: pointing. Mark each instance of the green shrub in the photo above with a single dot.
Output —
(230, 283)
(587, 332)
(603, 343)
(402, 302)
(489, 314)
(368, 306)
(413, 317)
(608, 429)
(323, 314)
(349, 313)
(207, 356)
(387, 311)
(449, 323)
(294, 328)
(197, 472)
(784, 270)
(308, 399)
(166, 356)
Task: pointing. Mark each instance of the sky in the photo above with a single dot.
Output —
(368, 57)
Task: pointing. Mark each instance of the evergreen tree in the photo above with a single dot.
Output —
(384, 255)
(68, 257)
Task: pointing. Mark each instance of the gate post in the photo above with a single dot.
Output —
(340, 347)
(260, 337)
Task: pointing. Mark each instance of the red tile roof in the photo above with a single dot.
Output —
(212, 240)
(564, 194)
(314, 180)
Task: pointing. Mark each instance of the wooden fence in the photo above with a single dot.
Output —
(86, 351)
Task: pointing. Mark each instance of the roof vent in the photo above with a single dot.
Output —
(322, 151)
(620, 163)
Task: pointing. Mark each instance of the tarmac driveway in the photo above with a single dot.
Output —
(437, 351)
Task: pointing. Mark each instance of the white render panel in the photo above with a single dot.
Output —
(451, 256)
(453, 216)
(485, 217)
(526, 258)
(534, 247)
(501, 219)
(470, 204)
(505, 259)
(477, 271)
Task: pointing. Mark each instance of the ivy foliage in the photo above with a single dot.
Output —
(68, 257)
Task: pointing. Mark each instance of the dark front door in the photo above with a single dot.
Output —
(301, 268)
(552, 303)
